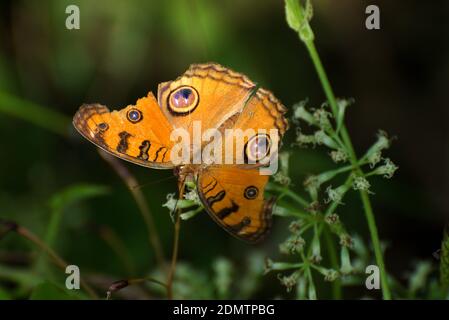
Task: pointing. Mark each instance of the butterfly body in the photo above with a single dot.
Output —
(217, 100)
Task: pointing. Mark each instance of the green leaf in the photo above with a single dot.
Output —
(60, 201)
(49, 291)
(444, 262)
(65, 198)
(419, 277)
(293, 14)
(22, 276)
(34, 113)
(76, 193)
(342, 105)
(223, 270)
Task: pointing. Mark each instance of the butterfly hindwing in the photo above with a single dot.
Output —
(262, 116)
(234, 198)
(262, 111)
(138, 133)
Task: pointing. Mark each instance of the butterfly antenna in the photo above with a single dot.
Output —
(252, 94)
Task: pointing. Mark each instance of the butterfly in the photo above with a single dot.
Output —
(217, 98)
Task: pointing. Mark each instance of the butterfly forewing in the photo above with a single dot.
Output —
(221, 92)
(138, 133)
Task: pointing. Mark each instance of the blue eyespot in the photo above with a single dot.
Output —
(258, 147)
(251, 192)
(183, 100)
(186, 93)
(134, 115)
(103, 126)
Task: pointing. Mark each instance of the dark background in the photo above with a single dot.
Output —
(398, 76)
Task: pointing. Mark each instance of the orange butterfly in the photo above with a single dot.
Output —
(217, 98)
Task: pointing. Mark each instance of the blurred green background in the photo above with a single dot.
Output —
(398, 75)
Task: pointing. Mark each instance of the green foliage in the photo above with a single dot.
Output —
(62, 200)
(18, 275)
(225, 281)
(65, 198)
(4, 295)
(419, 277)
(75, 193)
(444, 262)
(34, 113)
(50, 291)
(223, 277)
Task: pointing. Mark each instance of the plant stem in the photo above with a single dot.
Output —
(171, 274)
(376, 244)
(58, 261)
(111, 238)
(119, 285)
(144, 209)
(174, 260)
(312, 291)
(353, 158)
(336, 284)
(291, 194)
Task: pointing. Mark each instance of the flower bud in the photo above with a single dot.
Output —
(360, 183)
(339, 155)
(387, 170)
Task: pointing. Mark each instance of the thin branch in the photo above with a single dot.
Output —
(131, 183)
(336, 284)
(58, 261)
(117, 245)
(174, 259)
(121, 284)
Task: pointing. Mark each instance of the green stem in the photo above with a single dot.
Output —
(353, 158)
(376, 243)
(291, 194)
(312, 291)
(336, 284)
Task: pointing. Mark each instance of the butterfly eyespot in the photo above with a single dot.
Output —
(246, 221)
(183, 100)
(134, 115)
(103, 126)
(257, 147)
(251, 192)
